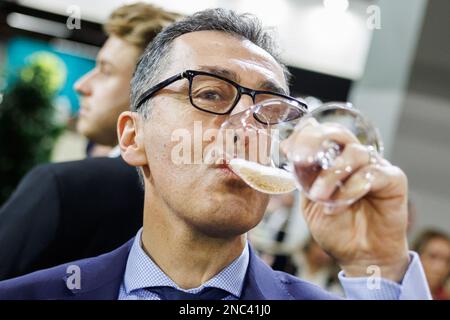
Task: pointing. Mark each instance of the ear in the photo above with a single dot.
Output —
(131, 140)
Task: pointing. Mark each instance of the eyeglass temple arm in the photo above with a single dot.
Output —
(148, 93)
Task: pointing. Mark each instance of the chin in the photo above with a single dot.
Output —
(231, 221)
(83, 128)
(80, 127)
(224, 230)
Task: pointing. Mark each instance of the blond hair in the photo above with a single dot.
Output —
(138, 23)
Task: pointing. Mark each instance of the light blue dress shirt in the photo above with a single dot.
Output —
(141, 273)
(413, 286)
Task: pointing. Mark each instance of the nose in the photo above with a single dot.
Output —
(82, 85)
(241, 137)
(243, 104)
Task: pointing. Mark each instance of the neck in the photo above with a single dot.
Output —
(185, 255)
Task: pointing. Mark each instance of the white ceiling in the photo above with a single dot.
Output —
(311, 37)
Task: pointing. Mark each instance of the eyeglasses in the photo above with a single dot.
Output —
(218, 95)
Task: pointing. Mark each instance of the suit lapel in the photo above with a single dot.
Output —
(261, 282)
(101, 276)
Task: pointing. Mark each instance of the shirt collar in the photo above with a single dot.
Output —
(141, 272)
(115, 152)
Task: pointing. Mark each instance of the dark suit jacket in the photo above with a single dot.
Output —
(102, 276)
(67, 211)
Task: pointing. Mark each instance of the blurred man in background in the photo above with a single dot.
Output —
(66, 211)
(434, 250)
(105, 90)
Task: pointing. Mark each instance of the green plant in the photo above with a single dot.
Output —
(28, 130)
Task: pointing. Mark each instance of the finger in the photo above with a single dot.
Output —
(304, 144)
(353, 157)
(378, 181)
(305, 123)
(389, 181)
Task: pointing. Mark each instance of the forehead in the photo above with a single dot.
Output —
(116, 49)
(439, 243)
(220, 50)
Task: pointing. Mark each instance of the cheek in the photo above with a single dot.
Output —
(112, 92)
(105, 117)
(176, 182)
(159, 150)
(180, 133)
(110, 100)
(159, 145)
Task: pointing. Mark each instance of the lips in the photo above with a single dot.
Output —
(225, 170)
(223, 166)
(84, 109)
(82, 112)
(218, 160)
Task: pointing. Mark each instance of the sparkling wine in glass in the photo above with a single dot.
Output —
(273, 172)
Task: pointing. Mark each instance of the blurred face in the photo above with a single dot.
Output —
(209, 198)
(435, 258)
(105, 90)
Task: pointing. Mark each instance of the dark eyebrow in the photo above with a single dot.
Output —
(272, 86)
(229, 74)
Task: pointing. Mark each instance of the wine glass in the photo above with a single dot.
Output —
(271, 171)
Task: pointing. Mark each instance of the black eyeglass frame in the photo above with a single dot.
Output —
(190, 74)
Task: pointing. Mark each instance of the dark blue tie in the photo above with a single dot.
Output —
(170, 293)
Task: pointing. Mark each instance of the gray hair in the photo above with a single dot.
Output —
(156, 56)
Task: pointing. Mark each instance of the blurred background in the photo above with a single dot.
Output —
(390, 58)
